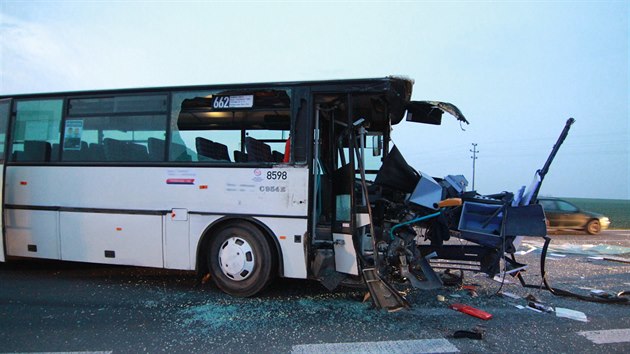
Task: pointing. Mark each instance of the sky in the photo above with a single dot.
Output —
(517, 70)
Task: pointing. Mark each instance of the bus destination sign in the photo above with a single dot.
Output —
(241, 101)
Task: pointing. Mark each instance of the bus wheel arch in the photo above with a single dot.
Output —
(247, 246)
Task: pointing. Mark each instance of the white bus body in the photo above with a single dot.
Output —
(144, 215)
(244, 183)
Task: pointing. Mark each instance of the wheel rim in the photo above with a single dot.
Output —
(593, 227)
(236, 258)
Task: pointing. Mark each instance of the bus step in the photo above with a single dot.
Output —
(383, 295)
(433, 280)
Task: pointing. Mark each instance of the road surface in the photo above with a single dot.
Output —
(73, 307)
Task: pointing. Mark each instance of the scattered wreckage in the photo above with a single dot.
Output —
(412, 215)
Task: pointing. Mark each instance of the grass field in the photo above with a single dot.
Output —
(617, 210)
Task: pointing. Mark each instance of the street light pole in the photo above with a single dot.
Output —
(474, 157)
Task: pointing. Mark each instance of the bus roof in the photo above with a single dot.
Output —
(397, 90)
(399, 84)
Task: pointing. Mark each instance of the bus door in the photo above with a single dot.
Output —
(352, 226)
(5, 111)
(332, 191)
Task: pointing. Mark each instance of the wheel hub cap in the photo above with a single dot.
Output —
(236, 258)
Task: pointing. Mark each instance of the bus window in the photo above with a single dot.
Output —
(184, 132)
(373, 154)
(117, 104)
(115, 139)
(36, 130)
(4, 119)
(244, 126)
(115, 129)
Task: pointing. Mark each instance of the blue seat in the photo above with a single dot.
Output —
(211, 150)
(258, 151)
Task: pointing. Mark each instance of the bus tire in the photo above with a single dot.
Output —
(240, 259)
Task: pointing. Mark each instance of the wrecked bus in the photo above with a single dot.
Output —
(245, 183)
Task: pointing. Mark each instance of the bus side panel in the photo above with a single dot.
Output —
(290, 235)
(176, 240)
(32, 233)
(146, 193)
(198, 225)
(112, 238)
(247, 191)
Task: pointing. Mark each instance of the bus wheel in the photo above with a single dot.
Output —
(240, 259)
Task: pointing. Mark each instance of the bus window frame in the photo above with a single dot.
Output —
(66, 115)
(244, 90)
(12, 123)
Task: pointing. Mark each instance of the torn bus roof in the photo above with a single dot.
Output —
(430, 112)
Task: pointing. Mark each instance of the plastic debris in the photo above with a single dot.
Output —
(500, 278)
(533, 309)
(475, 333)
(472, 290)
(441, 298)
(601, 293)
(572, 314)
(509, 295)
(469, 310)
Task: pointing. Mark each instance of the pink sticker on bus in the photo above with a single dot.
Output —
(180, 181)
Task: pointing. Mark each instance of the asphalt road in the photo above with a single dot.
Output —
(73, 307)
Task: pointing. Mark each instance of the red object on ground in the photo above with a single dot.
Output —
(469, 310)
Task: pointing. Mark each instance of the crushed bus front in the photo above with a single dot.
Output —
(411, 216)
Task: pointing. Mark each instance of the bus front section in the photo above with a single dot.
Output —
(389, 223)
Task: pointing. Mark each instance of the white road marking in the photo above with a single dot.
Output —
(440, 345)
(607, 336)
(108, 352)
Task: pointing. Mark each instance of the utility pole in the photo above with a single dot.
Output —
(474, 157)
